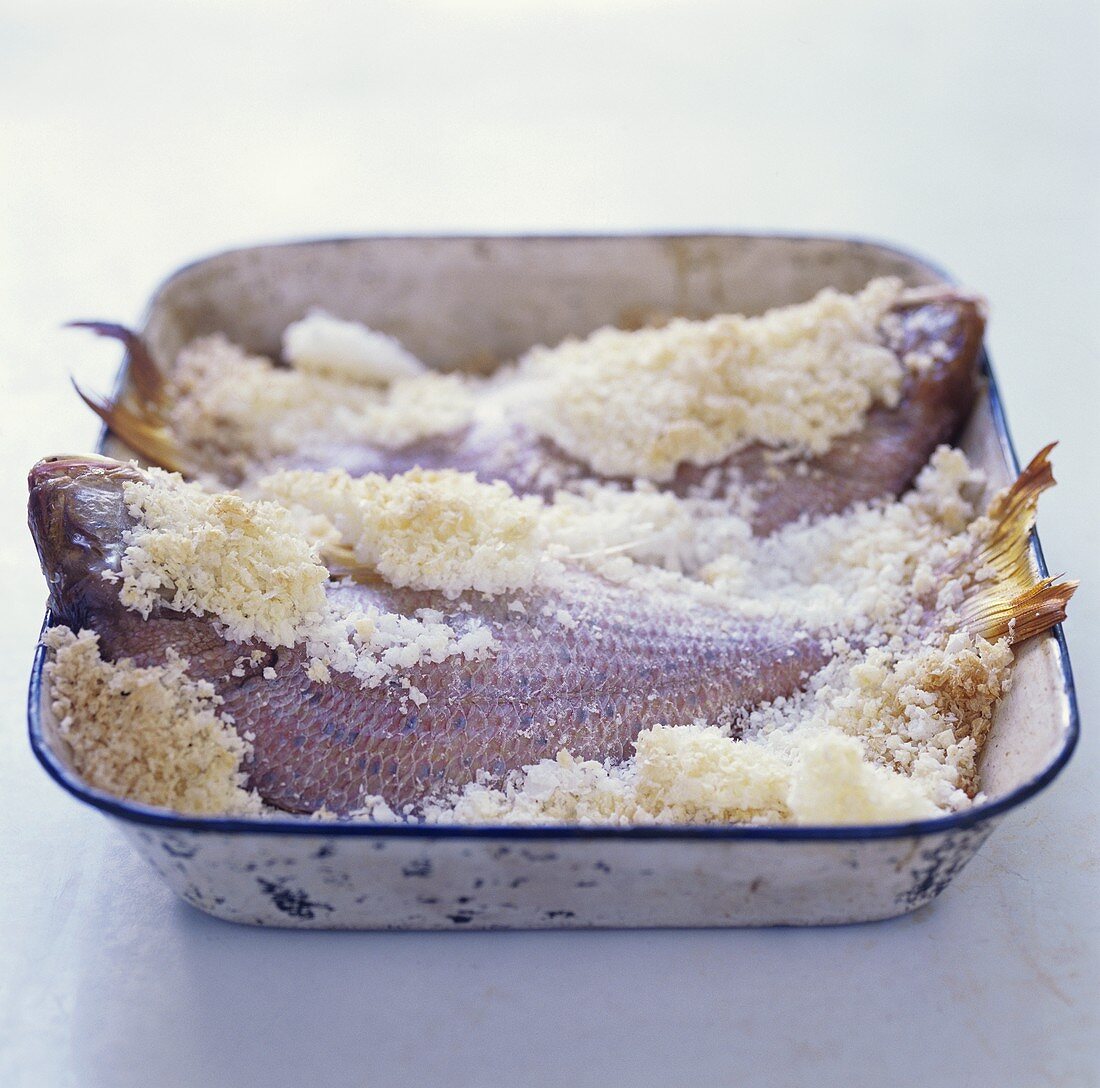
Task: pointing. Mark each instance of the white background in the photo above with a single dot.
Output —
(135, 137)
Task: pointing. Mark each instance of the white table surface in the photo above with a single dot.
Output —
(134, 137)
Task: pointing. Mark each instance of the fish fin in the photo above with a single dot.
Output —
(142, 431)
(342, 563)
(137, 420)
(1011, 600)
(147, 377)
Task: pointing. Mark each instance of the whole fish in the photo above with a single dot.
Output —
(621, 662)
(881, 459)
(586, 666)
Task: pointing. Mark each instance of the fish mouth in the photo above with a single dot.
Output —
(61, 467)
(77, 516)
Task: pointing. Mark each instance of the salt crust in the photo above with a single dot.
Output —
(242, 562)
(347, 351)
(696, 774)
(238, 410)
(152, 735)
(439, 530)
(640, 403)
(632, 404)
(248, 565)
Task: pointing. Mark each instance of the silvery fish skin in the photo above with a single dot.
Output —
(622, 662)
(881, 459)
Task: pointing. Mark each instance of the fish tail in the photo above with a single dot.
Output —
(147, 377)
(1010, 599)
(138, 421)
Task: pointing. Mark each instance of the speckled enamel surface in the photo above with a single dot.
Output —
(427, 882)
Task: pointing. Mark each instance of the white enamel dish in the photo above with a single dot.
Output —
(462, 302)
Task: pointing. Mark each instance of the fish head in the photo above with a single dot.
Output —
(78, 518)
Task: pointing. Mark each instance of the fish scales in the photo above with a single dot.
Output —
(630, 662)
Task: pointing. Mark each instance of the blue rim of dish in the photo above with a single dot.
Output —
(148, 816)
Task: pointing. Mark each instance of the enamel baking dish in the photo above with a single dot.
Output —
(460, 302)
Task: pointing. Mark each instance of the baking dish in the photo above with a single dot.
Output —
(467, 302)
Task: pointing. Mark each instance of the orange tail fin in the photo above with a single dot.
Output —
(1010, 599)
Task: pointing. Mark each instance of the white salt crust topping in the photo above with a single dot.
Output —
(152, 735)
(697, 774)
(243, 562)
(347, 351)
(440, 530)
(248, 565)
(640, 403)
(236, 410)
(632, 404)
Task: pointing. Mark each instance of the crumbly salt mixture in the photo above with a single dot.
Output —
(248, 565)
(447, 531)
(698, 774)
(347, 351)
(921, 710)
(242, 562)
(440, 530)
(152, 735)
(926, 323)
(241, 409)
(873, 567)
(627, 403)
(386, 644)
(611, 528)
(641, 403)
